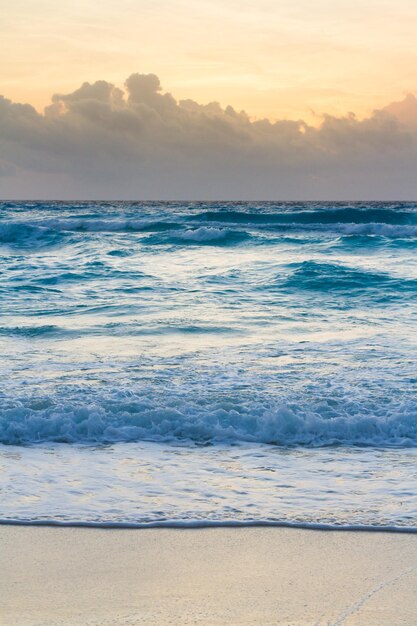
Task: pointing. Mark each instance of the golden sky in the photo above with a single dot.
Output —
(274, 58)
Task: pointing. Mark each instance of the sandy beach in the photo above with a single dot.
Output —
(246, 576)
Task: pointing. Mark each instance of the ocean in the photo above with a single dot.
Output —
(228, 363)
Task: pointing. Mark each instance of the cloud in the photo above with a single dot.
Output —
(140, 143)
(404, 111)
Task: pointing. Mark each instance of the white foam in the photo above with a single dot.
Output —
(204, 233)
(117, 418)
(371, 228)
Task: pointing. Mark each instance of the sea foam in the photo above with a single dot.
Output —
(127, 417)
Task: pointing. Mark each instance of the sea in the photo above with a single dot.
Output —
(209, 364)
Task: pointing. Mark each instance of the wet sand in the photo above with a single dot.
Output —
(244, 576)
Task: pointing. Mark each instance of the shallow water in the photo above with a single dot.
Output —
(142, 484)
(257, 360)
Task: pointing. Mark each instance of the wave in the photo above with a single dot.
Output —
(372, 228)
(51, 231)
(326, 277)
(28, 234)
(323, 215)
(31, 331)
(216, 227)
(209, 235)
(125, 329)
(366, 221)
(121, 417)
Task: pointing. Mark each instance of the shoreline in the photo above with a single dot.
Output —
(205, 525)
(55, 576)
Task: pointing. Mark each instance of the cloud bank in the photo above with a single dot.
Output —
(101, 142)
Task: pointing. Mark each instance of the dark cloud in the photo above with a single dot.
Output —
(101, 142)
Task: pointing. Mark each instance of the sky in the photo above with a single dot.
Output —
(315, 78)
(273, 58)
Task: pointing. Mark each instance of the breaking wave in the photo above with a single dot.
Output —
(122, 417)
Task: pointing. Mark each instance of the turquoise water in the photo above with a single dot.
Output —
(272, 343)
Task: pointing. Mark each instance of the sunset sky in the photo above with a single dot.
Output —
(274, 58)
(315, 99)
